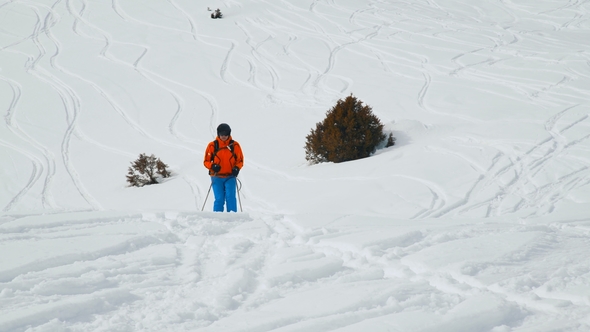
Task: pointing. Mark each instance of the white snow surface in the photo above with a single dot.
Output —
(478, 219)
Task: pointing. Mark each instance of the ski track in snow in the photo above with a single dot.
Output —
(37, 162)
(174, 271)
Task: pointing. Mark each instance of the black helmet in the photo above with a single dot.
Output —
(223, 130)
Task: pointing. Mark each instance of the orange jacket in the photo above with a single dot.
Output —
(224, 157)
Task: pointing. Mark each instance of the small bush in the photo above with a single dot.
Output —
(350, 131)
(146, 170)
(217, 14)
(390, 140)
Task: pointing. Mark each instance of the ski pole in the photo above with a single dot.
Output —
(206, 197)
(239, 199)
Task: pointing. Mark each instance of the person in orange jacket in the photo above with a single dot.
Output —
(224, 160)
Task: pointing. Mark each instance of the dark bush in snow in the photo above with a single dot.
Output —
(350, 131)
(217, 14)
(146, 170)
(390, 140)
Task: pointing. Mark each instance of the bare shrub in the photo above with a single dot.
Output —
(146, 170)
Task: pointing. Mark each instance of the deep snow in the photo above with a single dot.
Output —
(478, 219)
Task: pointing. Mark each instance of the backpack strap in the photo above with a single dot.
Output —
(231, 147)
(215, 149)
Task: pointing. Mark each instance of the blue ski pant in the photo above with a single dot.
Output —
(224, 190)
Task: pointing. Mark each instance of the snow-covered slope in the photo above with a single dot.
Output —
(478, 219)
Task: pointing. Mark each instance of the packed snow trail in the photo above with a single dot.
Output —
(172, 271)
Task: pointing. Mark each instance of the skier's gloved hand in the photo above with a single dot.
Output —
(235, 171)
(215, 168)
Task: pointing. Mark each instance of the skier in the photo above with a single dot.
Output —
(224, 160)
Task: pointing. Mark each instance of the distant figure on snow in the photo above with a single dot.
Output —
(224, 160)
